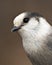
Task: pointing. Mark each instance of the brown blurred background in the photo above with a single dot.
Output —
(11, 50)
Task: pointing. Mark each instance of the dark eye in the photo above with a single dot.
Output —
(26, 20)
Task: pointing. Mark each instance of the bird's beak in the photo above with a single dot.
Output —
(15, 29)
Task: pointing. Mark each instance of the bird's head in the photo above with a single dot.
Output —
(26, 20)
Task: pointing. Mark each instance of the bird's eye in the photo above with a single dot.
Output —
(25, 20)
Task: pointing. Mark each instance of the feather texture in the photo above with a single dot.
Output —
(36, 37)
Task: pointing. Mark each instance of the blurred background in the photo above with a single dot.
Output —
(11, 50)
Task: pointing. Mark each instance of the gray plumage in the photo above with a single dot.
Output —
(36, 35)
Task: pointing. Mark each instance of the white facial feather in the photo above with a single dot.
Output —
(32, 31)
(19, 19)
(31, 24)
(34, 35)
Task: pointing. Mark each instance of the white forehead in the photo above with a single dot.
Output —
(19, 18)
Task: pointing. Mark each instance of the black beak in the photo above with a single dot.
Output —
(15, 29)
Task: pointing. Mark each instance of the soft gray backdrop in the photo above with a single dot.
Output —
(11, 51)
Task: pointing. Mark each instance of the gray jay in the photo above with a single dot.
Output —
(36, 35)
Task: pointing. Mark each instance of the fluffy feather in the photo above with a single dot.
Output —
(36, 37)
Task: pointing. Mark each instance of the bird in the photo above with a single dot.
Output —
(36, 34)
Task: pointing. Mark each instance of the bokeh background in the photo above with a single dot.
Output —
(11, 50)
